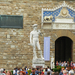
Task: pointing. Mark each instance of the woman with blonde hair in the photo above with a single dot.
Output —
(8, 73)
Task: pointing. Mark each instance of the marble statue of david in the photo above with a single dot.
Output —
(34, 41)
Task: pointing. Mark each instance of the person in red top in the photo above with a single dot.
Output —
(42, 73)
(71, 64)
(22, 73)
(4, 71)
(57, 63)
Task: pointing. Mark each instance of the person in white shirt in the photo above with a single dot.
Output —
(14, 71)
(18, 72)
(71, 72)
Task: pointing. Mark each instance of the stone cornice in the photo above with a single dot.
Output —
(62, 5)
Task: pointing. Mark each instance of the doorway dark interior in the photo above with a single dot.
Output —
(63, 49)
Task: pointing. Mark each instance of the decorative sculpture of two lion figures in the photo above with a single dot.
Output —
(48, 18)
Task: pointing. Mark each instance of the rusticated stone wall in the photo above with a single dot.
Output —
(14, 48)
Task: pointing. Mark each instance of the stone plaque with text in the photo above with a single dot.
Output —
(11, 21)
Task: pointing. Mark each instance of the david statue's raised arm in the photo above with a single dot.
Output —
(39, 32)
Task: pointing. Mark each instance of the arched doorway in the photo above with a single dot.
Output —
(63, 49)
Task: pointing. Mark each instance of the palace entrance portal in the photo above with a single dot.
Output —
(63, 49)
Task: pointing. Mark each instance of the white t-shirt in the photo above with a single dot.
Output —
(74, 64)
(48, 70)
(18, 72)
(13, 71)
(71, 72)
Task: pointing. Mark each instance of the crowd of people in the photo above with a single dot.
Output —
(66, 64)
(67, 69)
(3, 72)
(34, 71)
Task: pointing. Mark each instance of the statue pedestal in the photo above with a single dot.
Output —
(38, 63)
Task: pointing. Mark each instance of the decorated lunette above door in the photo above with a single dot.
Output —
(61, 17)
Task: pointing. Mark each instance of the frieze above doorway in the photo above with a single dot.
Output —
(61, 17)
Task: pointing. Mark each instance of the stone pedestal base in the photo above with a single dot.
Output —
(38, 63)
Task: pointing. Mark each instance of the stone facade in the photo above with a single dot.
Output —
(14, 48)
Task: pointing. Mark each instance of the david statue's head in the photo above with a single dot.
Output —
(35, 26)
